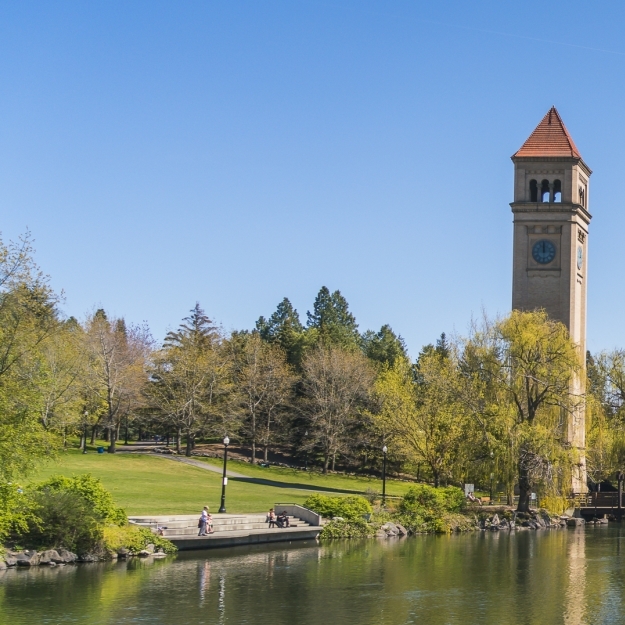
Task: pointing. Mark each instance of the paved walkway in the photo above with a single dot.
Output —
(252, 480)
(202, 465)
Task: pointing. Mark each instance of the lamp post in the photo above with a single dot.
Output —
(84, 433)
(222, 508)
(384, 451)
(492, 477)
(620, 477)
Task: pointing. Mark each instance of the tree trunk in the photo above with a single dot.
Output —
(437, 479)
(140, 435)
(253, 452)
(333, 461)
(106, 434)
(126, 437)
(113, 433)
(93, 433)
(178, 435)
(266, 453)
(326, 462)
(189, 445)
(525, 490)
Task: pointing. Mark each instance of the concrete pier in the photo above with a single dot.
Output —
(233, 529)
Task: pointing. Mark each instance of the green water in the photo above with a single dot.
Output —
(559, 576)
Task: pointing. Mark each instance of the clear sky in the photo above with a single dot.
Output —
(239, 152)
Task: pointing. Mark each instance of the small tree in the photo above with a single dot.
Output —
(117, 357)
(336, 388)
(264, 384)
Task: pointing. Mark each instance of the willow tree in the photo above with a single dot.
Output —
(423, 412)
(528, 363)
(605, 414)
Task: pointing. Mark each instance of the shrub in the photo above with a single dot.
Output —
(428, 501)
(134, 538)
(92, 491)
(352, 507)
(62, 518)
(65, 512)
(14, 514)
(356, 528)
(427, 509)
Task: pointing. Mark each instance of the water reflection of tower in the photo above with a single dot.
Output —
(574, 613)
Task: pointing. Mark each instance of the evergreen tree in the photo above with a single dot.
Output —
(332, 320)
(384, 346)
(284, 328)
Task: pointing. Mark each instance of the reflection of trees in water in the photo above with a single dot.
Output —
(529, 577)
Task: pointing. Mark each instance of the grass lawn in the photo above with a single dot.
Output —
(145, 484)
(309, 479)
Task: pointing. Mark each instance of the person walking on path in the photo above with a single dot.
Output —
(203, 522)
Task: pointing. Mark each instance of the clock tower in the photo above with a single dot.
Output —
(551, 195)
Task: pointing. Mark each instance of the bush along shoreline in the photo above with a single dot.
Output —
(66, 520)
(424, 509)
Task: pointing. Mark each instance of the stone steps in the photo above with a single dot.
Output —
(186, 525)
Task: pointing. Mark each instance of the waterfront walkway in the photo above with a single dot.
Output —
(233, 529)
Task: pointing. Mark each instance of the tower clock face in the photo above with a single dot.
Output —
(544, 252)
(580, 256)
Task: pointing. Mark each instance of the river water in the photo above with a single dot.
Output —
(543, 578)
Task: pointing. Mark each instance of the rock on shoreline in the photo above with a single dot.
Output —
(61, 557)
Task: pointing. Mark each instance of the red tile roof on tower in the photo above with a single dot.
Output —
(550, 138)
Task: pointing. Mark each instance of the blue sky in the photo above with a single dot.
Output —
(239, 152)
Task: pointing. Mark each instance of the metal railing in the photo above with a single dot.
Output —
(598, 500)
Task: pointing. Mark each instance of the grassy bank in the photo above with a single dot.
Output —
(313, 478)
(145, 484)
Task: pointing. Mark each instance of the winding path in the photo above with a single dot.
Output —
(239, 477)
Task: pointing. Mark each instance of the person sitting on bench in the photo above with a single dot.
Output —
(283, 520)
(473, 499)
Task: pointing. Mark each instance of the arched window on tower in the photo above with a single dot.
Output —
(557, 191)
(533, 191)
(544, 191)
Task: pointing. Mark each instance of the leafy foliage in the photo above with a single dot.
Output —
(91, 490)
(63, 518)
(352, 507)
(354, 528)
(134, 538)
(427, 509)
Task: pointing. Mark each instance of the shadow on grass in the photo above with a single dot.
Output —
(293, 485)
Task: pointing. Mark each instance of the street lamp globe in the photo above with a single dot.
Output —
(384, 449)
(226, 441)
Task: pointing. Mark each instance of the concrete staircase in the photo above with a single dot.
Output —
(186, 525)
(232, 529)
